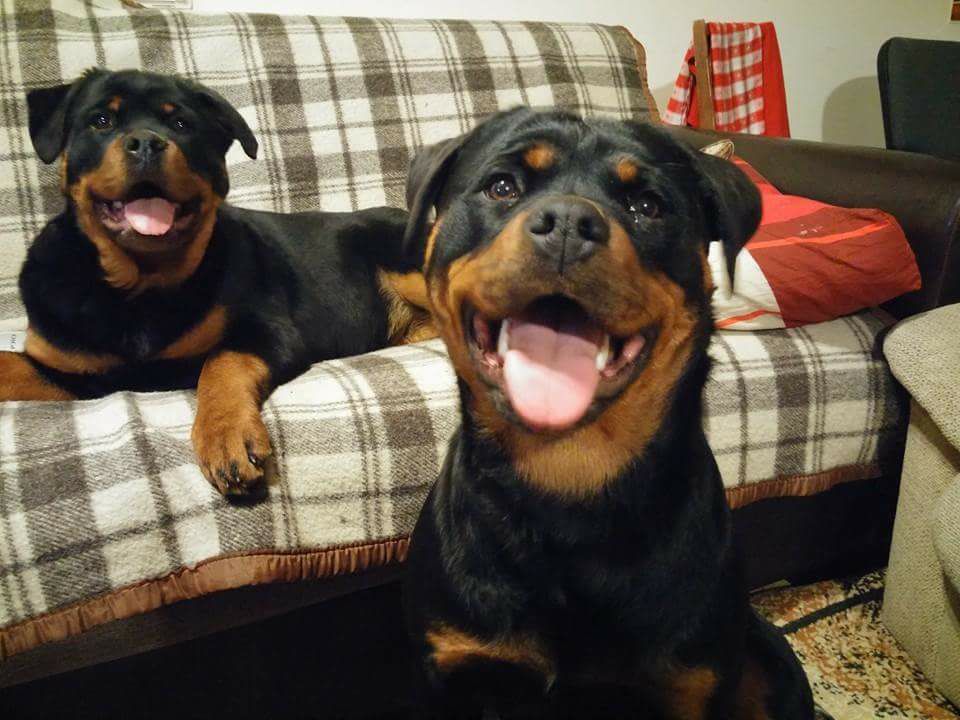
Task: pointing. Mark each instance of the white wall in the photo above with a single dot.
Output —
(829, 47)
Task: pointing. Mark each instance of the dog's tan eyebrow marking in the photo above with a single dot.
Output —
(168, 107)
(627, 170)
(115, 102)
(540, 156)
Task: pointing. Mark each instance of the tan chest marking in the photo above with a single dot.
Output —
(200, 339)
(68, 361)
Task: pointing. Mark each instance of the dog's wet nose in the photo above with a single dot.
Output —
(567, 229)
(144, 145)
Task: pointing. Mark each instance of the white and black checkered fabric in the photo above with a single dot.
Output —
(339, 105)
(98, 495)
(102, 495)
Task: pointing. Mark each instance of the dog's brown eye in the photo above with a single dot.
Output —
(503, 187)
(179, 123)
(102, 121)
(646, 205)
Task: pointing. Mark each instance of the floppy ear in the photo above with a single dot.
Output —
(425, 179)
(732, 202)
(47, 120)
(430, 168)
(48, 115)
(227, 117)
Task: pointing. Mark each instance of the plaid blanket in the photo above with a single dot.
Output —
(339, 105)
(99, 496)
(103, 513)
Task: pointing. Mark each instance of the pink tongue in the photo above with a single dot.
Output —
(150, 216)
(551, 369)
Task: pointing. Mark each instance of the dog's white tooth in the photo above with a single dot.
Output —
(503, 342)
(118, 205)
(603, 355)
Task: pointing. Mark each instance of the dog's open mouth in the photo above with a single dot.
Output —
(146, 212)
(553, 361)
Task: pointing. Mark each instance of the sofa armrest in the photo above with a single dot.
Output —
(924, 355)
(921, 192)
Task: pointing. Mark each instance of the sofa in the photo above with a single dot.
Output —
(921, 603)
(111, 541)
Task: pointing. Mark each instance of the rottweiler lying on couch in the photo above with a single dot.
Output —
(149, 281)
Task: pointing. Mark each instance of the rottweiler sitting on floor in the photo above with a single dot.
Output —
(575, 557)
(148, 281)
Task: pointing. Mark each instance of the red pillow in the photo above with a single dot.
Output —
(811, 262)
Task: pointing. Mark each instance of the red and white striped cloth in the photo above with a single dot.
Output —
(748, 92)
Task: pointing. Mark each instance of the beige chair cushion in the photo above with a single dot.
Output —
(921, 603)
(924, 354)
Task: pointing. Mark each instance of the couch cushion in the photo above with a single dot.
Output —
(339, 104)
(104, 514)
(810, 262)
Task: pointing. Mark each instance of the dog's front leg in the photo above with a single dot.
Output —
(21, 380)
(471, 678)
(229, 437)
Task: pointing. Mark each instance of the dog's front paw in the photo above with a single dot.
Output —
(233, 453)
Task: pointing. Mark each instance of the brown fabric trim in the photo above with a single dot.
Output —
(222, 573)
(641, 54)
(798, 485)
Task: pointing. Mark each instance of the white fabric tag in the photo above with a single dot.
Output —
(12, 341)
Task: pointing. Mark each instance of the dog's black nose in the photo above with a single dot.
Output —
(144, 145)
(567, 229)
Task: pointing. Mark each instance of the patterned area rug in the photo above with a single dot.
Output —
(857, 669)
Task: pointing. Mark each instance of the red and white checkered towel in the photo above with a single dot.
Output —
(748, 92)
